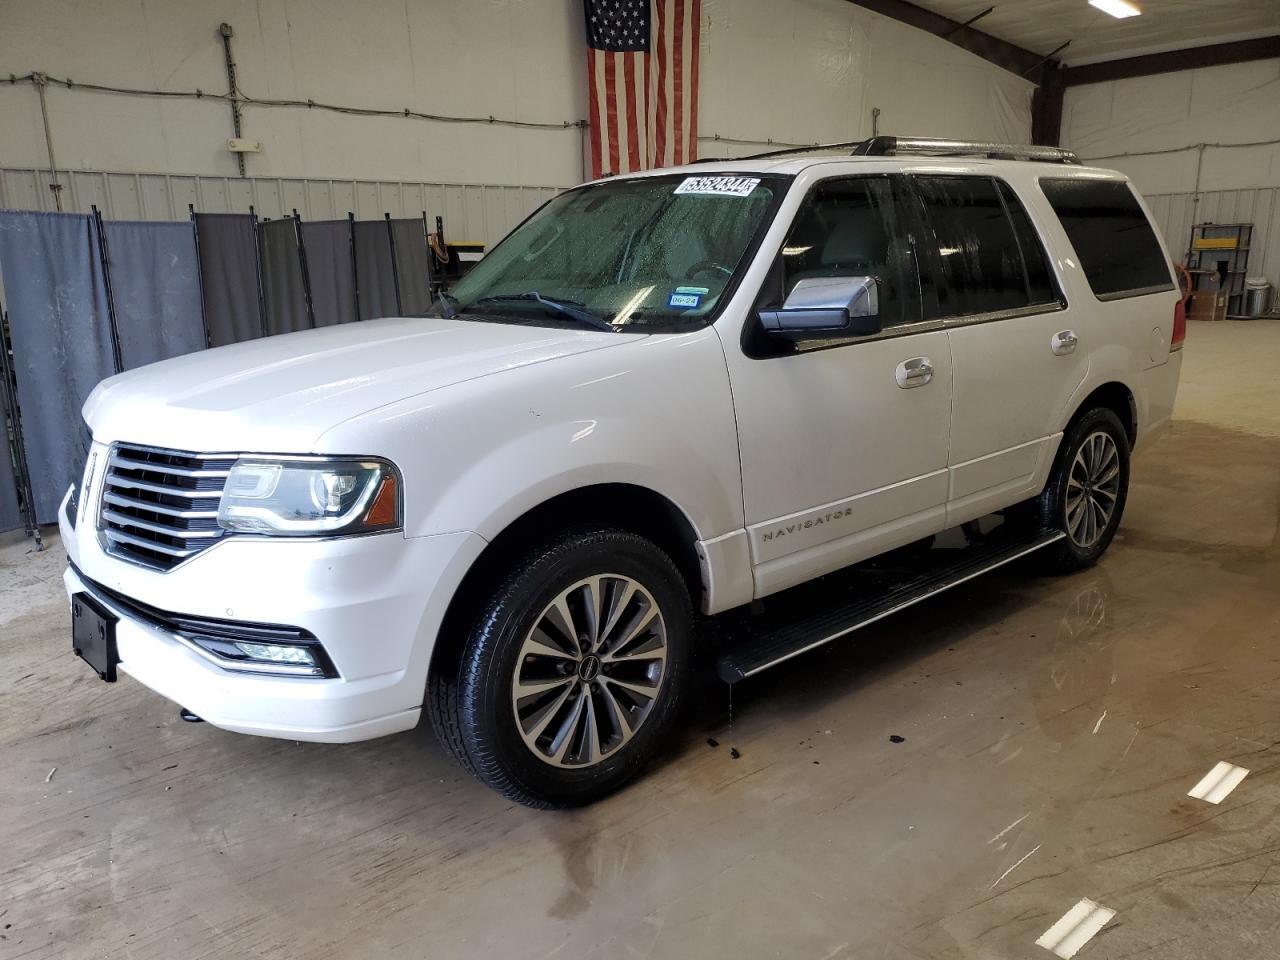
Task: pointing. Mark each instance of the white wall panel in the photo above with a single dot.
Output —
(796, 71)
(518, 59)
(1152, 128)
(811, 70)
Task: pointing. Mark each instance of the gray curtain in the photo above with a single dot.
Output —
(10, 515)
(329, 269)
(282, 277)
(413, 268)
(229, 277)
(155, 285)
(374, 270)
(57, 304)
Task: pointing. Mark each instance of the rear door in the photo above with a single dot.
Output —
(1018, 358)
(1130, 291)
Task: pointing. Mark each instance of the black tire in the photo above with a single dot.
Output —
(1049, 510)
(472, 708)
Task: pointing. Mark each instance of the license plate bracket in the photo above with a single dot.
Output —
(93, 636)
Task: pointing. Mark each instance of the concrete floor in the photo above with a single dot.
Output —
(1052, 730)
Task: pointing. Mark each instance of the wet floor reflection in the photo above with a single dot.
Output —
(1048, 732)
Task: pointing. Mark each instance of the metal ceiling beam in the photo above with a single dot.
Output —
(1190, 58)
(1015, 59)
(1046, 109)
(969, 23)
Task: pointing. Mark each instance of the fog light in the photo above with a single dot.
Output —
(276, 653)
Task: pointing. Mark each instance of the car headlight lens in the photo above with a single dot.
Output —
(310, 497)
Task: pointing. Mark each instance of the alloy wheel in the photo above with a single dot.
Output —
(589, 671)
(1093, 488)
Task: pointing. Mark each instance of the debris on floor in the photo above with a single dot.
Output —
(894, 738)
(51, 773)
(733, 753)
(712, 742)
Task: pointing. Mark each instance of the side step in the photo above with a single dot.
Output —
(809, 616)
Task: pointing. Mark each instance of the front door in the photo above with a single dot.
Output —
(843, 443)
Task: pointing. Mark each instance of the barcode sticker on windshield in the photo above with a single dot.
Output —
(719, 186)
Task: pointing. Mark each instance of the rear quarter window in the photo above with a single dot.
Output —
(1113, 240)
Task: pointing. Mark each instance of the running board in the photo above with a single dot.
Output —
(790, 625)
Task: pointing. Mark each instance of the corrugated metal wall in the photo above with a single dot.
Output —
(1177, 213)
(483, 212)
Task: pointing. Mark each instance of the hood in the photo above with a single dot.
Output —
(279, 394)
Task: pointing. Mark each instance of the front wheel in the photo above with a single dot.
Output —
(573, 674)
(1086, 492)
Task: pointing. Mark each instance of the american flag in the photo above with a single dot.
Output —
(642, 83)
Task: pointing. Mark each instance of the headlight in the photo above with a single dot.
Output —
(310, 497)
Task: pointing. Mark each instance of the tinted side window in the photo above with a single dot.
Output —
(1040, 285)
(1112, 239)
(850, 228)
(978, 251)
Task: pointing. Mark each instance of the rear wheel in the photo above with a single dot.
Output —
(1086, 493)
(573, 674)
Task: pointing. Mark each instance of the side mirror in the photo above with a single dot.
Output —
(826, 308)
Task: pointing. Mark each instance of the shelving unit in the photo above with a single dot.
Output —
(1213, 244)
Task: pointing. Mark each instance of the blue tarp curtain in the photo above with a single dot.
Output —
(51, 268)
(413, 266)
(374, 269)
(229, 273)
(155, 285)
(10, 512)
(327, 244)
(175, 287)
(282, 286)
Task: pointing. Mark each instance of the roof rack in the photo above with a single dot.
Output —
(886, 146)
(934, 147)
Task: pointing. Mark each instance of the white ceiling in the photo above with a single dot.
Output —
(1042, 25)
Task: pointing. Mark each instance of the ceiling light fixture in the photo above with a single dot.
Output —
(1120, 9)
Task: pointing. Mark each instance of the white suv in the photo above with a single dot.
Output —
(660, 398)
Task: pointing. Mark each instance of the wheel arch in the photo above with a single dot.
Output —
(627, 506)
(1116, 397)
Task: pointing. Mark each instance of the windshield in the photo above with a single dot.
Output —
(640, 255)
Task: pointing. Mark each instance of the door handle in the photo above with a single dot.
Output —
(1064, 342)
(915, 372)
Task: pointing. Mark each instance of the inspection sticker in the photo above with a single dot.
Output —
(719, 186)
(686, 300)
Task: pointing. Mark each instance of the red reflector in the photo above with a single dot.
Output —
(1179, 326)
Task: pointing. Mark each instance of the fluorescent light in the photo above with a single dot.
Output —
(1117, 8)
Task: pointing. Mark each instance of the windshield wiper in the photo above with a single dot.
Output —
(448, 308)
(569, 308)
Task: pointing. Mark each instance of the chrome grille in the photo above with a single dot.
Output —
(159, 507)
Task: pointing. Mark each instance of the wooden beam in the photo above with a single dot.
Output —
(1011, 57)
(1190, 58)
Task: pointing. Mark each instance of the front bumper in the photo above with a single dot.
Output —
(375, 603)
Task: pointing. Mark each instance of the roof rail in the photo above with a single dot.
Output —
(932, 146)
(886, 146)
